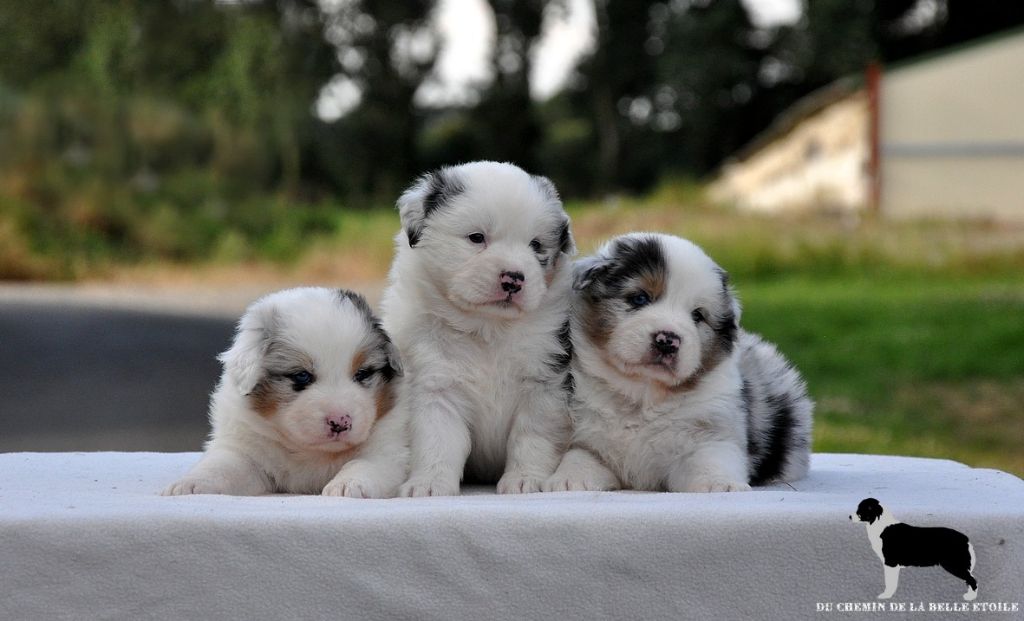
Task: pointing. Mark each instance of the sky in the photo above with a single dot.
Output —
(468, 31)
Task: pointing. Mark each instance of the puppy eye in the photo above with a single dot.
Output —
(301, 379)
(363, 374)
(698, 315)
(638, 300)
(535, 245)
(476, 238)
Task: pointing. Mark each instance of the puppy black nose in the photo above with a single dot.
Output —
(512, 282)
(666, 342)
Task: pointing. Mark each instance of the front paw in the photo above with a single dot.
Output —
(352, 487)
(885, 595)
(423, 486)
(715, 485)
(519, 483)
(579, 482)
(192, 485)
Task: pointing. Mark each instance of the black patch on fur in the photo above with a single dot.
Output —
(727, 327)
(777, 439)
(564, 239)
(753, 446)
(388, 372)
(569, 384)
(442, 186)
(634, 257)
(559, 362)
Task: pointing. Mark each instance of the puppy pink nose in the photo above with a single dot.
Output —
(338, 424)
(512, 282)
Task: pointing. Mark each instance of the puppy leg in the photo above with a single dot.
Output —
(580, 470)
(892, 580)
(718, 466)
(440, 444)
(381, 466)
(222, 471)
(536, 441)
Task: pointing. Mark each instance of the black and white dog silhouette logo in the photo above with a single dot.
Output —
(901, 545)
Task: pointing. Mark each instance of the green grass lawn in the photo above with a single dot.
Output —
(909, 366)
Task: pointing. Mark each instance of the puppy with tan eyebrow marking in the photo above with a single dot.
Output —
(669, 392)
(304, 403)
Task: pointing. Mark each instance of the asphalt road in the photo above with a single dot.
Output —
(80, 378)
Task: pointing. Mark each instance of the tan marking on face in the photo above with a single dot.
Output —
(595, 323)
(384, 399)
(270, 394)
(358, 361)
(652, 282)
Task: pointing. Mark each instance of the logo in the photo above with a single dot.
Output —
(900, 545)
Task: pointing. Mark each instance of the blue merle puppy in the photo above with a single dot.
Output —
(669, 393)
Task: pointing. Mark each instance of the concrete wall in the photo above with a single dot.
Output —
(953, 134)
(819, 163)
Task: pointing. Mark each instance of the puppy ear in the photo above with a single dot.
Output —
(727, 290)
(243, 361)
(430, 192)
(587, 270)
(394, 361)
(566, 243)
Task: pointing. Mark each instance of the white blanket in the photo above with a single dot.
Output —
(85, 535)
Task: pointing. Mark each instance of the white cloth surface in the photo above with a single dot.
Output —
(86, 535)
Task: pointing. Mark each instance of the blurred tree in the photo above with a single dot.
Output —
(506, 114)
(621, 70)
(387, 50)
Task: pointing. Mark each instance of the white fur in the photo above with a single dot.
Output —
(250, 453)
(478, 392)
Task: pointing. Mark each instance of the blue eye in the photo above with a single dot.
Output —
(301, 379)
(363, 374)
(476, 238)
(638, 300)
(535, 245)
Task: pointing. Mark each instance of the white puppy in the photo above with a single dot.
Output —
(303, 405)
(477, 305)
(669, 393)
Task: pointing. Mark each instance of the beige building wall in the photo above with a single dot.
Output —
(952, 132)
(820, 163)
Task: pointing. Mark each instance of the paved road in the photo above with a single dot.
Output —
(89, 378)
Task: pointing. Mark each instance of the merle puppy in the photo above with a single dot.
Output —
(669, 392)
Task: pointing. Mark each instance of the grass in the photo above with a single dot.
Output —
(909, 334)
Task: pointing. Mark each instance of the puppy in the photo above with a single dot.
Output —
(669, 392)
(901, 545)
(303, 403)
(477, 305)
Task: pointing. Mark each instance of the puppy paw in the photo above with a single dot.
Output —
(190, 485)
(418, 487)
(578, 483)
(713, 485)
(519, 483)
(352, 488)
(884, 595)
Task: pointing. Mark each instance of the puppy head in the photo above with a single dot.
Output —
(489, 236)
(656, 308)
(868, 511)
(316, 365)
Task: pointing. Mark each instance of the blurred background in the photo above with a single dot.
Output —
(856, 165)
